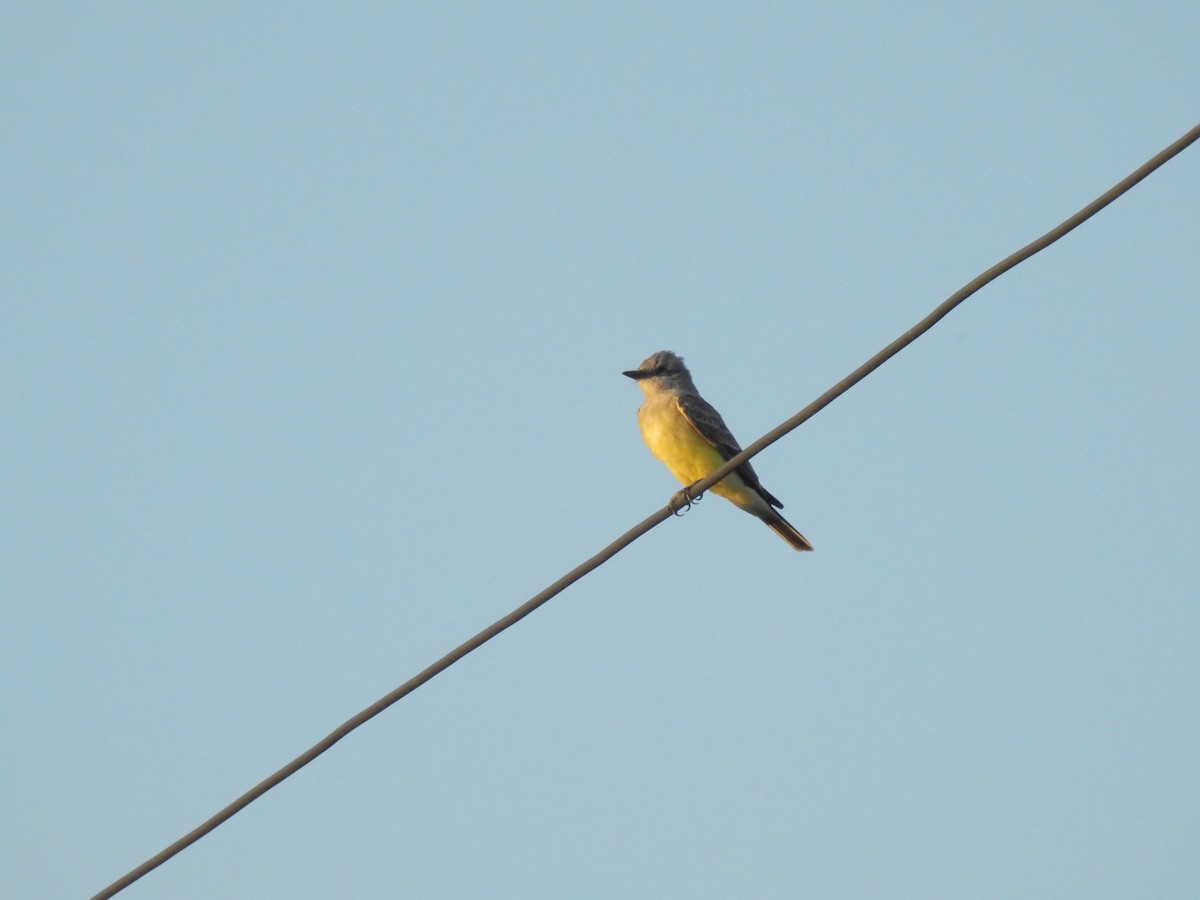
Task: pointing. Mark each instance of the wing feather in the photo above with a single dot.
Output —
(710, 426)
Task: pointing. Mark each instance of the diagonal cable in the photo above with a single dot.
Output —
(657, 518)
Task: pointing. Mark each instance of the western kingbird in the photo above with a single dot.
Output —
(683, 430)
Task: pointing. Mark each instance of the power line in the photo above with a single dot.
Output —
(657, 518)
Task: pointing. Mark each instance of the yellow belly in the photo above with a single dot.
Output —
(671, 438)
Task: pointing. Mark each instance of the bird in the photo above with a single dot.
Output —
(691, 439)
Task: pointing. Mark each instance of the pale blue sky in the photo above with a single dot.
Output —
(314, 319)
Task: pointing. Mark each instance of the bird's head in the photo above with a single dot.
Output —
(663, 370)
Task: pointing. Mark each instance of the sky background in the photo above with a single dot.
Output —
(313, 324)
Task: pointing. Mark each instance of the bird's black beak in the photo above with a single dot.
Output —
(635, 374)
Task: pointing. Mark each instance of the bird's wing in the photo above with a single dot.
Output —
(710, 426)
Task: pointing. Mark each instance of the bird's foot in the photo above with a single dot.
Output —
(683, 500)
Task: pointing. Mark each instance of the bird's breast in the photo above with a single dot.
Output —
(671, 438)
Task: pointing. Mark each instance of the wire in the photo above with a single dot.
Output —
(654, 520)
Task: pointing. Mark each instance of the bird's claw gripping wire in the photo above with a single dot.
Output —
(682, 501)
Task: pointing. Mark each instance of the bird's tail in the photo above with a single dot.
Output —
(784, 529)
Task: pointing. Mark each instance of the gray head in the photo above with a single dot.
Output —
(662, 370)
